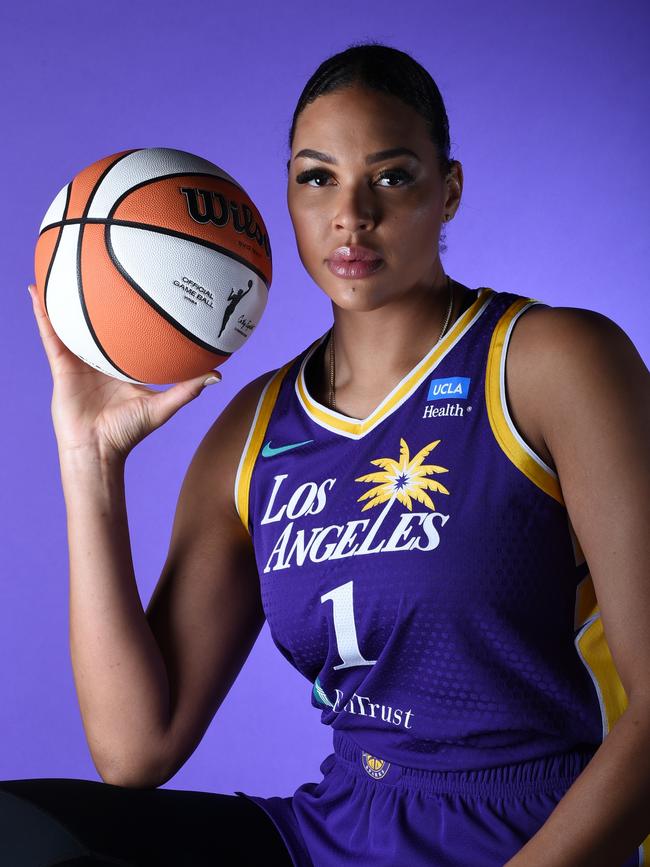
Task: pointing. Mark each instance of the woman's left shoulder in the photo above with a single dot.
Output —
(570, 371)
(564, 338)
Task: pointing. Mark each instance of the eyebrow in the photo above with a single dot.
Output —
(371, 158)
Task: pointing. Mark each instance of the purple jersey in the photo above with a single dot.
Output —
(419, 566)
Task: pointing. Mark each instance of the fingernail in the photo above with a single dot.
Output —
(210, 380)
(29, 289)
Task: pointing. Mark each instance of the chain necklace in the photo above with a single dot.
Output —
(332, 360)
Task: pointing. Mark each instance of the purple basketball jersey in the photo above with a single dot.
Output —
(419, 566)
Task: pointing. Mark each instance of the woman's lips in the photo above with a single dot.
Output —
(354, 268)
(353, 252)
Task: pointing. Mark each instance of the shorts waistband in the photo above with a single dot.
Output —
(551, 772)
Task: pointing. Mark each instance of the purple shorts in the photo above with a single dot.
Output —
(369, 811)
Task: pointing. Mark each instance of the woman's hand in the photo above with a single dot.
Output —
(92, 410)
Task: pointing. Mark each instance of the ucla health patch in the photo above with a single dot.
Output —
(454, 387)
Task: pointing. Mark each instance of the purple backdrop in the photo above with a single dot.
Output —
(548, 114)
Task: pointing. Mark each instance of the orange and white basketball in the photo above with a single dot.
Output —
(153, 265)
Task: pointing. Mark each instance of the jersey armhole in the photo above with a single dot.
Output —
(253, 442)
(503, 427)
(591, 644)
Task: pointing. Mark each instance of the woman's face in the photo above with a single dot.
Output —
(347, 194)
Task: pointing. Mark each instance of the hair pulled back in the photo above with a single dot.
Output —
(383, 68)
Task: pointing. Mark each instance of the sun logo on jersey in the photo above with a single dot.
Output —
(404, 480)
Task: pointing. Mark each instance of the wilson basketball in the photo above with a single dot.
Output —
(153, 265)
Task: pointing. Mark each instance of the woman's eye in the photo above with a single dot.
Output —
(311, 174)
(400, 174)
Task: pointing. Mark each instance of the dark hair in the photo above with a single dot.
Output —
(380, 67)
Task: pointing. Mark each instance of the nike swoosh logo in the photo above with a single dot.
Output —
(268, 451)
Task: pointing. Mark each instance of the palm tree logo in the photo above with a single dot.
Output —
(404, 480)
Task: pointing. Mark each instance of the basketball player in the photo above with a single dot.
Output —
(233, 300)
(441, 506)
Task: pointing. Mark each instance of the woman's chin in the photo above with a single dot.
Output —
(357, 295)
(359, 299)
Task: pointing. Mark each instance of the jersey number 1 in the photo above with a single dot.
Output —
(344, 627)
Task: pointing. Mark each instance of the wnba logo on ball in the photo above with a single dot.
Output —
(205, 212)
(374, 767)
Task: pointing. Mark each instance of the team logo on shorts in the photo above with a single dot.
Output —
(374, 767)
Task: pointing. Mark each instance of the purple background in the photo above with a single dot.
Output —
(548, 114)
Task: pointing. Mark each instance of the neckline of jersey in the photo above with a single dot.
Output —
(355, 428)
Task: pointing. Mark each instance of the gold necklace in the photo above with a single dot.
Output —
(332, 394)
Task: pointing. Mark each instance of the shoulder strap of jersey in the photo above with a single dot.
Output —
(503, 427)
(265, 406)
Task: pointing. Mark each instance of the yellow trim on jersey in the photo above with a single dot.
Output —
(586, 605)
(591, 643)
(594, 651)
(357, 427)
(521, 455)
(595, 655)
(253, 444)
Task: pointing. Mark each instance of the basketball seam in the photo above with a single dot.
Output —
(160, 310)
(101, 178)
(171, 175)
(163, 230)
(56, 247)
(168, 177)
(141, 184)
(82, 299)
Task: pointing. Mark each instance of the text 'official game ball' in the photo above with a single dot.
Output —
(153, 265)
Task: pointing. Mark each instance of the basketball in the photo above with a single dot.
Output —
(153, 265)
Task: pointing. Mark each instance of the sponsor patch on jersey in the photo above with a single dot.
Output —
(451, 388)
(374, 767)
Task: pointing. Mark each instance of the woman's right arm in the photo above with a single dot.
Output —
(149, 683)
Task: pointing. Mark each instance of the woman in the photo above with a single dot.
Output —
(412, 504)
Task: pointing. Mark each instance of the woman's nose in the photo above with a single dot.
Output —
(354, 210)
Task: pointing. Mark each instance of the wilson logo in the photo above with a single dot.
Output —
(209, 206)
